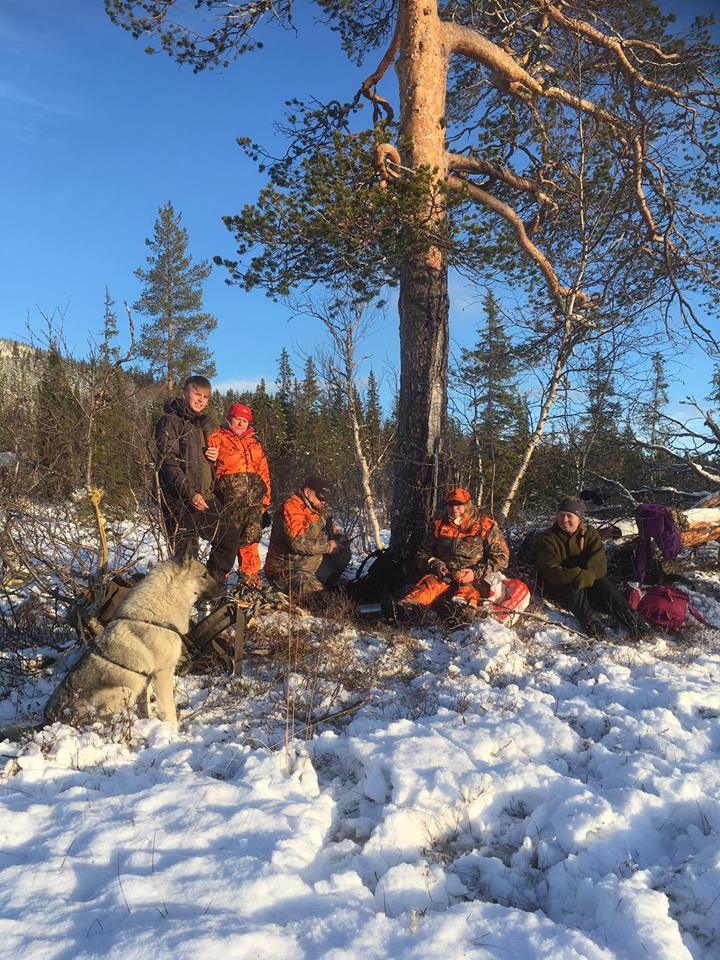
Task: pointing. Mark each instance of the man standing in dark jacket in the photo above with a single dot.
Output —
(186, 479)
(572, 565)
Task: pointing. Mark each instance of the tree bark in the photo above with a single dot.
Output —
(703, 527)
(424, 308)
(423, 302)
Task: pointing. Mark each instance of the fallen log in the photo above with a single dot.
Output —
(710, 500)
(699, 526)
(696, 527)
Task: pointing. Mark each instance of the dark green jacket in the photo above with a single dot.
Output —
(576, 560)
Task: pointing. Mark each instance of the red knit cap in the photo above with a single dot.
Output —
(240, 410)
(458, 495)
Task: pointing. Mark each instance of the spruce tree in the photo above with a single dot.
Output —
(714, 396)
(109, 351)
(174, 340)
(310, 392)
(307, 399)
(653, 420)
(486, 378)
(286, 398)
(597, 442)
(58, 436)
(373, 419)
(653, 417)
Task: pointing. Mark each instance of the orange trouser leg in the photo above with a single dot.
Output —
(469, 594)
(426, 591)
(249, 560)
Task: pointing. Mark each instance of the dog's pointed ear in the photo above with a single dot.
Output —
(185, 556)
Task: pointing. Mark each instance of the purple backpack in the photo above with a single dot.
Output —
(655, 522)
(664, 606)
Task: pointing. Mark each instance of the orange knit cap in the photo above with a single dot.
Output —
(458, 495)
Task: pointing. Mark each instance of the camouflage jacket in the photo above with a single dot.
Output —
(475, 543)
(299, 539)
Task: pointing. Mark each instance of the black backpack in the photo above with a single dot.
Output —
(389, 576)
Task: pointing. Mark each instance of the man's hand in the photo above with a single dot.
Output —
(439, 569)
(199, 502)
(212, 453)
(466, 575)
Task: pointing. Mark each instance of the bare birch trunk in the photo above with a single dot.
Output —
(537, 432)
(364, 476)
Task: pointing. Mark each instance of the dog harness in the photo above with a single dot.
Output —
(122, 666)
(151, 623)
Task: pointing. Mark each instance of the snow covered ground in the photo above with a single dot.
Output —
(490, 793)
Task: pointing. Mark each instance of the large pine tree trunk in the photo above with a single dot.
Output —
(422, 408)
(423, 303)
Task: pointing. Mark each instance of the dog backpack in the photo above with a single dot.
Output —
(664, 606)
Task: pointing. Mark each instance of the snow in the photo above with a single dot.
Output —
(494, 792)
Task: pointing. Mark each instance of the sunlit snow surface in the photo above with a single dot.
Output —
(512, 793)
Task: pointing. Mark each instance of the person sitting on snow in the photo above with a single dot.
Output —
(572, 567)
(307, 553)
(462, 558)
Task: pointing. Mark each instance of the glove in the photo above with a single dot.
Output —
(439, 569)
(266, 519)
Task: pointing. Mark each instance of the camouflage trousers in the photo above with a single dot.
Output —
(297, 582)
(249, 524)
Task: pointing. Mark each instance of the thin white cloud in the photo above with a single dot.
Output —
(12, 93)
(239, 385)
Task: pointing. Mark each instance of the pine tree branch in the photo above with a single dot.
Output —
(491, 202)
(705, 473)
(617, 46)
(367, 88)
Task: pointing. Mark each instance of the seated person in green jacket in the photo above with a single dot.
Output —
(572, 565)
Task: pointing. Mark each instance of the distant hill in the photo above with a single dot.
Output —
(22, 367)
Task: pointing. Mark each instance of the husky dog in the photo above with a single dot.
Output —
(140, 646)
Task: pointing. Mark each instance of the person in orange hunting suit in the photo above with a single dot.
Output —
(242, 481)
(307, 552)
(461, 551)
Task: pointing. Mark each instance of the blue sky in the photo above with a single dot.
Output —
(95, 136)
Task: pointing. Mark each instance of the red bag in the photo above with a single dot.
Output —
(664, 606)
